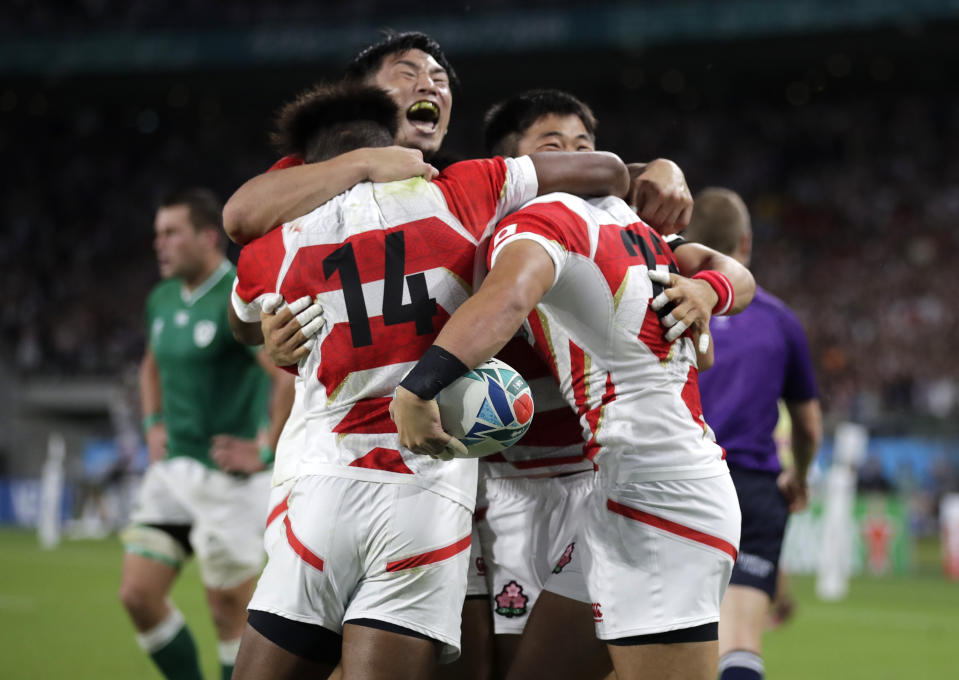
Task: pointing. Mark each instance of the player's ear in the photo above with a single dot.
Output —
(746, 248)
(213, 238)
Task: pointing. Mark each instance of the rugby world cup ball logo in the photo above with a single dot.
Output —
(488, 409)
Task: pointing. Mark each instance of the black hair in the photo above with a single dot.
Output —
(206, 211)
(369, 60)
(506, 121)
(330, 119)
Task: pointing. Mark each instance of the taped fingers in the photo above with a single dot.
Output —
(309, 314)
(299, 305)
(703, 345)
(676, 331)
(313, 327)
(271, 302)
(659, 276)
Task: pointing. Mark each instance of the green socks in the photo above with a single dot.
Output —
(172, 649)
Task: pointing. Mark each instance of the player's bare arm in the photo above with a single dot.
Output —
(151, 405)
(585, 173)
(244, 332)
(806, 436)
(659, 194)
(273, 198)
(693, 258)
(521, 276)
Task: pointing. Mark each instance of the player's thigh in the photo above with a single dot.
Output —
(680, 661)
(742, 619)
(316, 566)
(376, 654)
(660, 554)
(228, 608)
(144, 585)
(476, 653)
(261, 659)
(560, 642)
(160, 522)
(414, 571)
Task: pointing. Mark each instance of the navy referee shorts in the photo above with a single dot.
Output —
(765, 512)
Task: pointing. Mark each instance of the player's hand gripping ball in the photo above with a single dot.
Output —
(488, 409)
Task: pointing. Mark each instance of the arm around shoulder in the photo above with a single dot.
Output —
(584, 173)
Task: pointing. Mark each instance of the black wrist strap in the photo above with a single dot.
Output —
(434, 371)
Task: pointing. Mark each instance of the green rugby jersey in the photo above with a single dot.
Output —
(211, 383)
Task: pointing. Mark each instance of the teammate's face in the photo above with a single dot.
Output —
(556, 133)
(421, 89)
(179, 246)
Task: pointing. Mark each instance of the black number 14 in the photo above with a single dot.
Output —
(420, 309)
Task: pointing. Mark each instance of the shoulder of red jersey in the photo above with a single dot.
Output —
(480, 191)
(256, 272)
(553, 220)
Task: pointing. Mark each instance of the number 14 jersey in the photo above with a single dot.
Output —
(390, 263)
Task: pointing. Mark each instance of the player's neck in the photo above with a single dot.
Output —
(210, 265)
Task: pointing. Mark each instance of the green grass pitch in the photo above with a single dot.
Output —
(60, 618)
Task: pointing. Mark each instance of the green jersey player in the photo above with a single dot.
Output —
(209, 433)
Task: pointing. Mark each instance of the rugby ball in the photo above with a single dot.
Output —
(488, 409)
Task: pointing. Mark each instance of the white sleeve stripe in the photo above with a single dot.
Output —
(248, 312)
(554, 251)
(521, 186)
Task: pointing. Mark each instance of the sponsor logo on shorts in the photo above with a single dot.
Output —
(565, 559)
(597, 612)
(480, 566)
(511, 601)
(754, 565)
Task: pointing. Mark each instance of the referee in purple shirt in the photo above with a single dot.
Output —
(761, 357)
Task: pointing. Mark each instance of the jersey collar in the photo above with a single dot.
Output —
(189, 297)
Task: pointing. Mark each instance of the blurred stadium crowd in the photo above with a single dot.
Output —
(854, 197)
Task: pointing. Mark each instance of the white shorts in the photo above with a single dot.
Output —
(528, 534)
(275, 531)
(356, 549)
(225, 515)
(659, 554)
(476, 585)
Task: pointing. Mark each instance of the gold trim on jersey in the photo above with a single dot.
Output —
(618, 297)
(672, 351)
(544, 322)
(330, 399)
(468, 289)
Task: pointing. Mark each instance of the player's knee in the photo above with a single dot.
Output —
(228, 610)
(138, 600)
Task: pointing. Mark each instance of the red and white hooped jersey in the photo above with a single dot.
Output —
(390, 263)
(636, 394)
(554, 444)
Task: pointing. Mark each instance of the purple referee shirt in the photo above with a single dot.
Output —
(761, 356)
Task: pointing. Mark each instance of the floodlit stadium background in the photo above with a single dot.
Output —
(837, 122)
